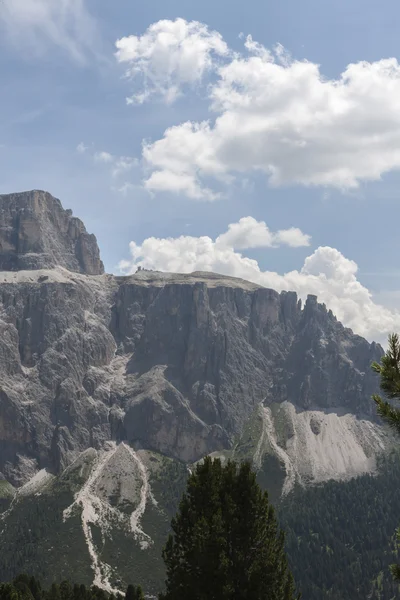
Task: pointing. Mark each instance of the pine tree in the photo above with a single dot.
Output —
(130, 593)
(36, 589)
(226, 544)
(389, 371)
(139, 593)
(134, 593)
(8, 592)
(66, 591)
(21, 584)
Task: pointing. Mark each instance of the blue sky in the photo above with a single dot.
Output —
(326, 170)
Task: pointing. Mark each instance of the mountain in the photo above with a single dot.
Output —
(111, 386)
(37, 233)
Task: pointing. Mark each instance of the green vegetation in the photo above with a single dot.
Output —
(34, 537)
(339, 536)
(24, 587)
(389, 371)
(225, 541)
(31, 535)
(245, 446)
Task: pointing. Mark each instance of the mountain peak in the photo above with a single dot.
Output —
(37, 233)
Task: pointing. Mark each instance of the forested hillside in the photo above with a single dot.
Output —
(24, 587)
(340, 536)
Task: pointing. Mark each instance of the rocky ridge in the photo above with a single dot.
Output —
(174, 363)
(161, 369)
(37, 233)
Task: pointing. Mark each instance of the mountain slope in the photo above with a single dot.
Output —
(104, 520)
(339, 535)
(121, 374)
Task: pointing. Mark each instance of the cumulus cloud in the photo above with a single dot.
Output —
(325, 273)
(179, 160)
(250, 233)
(33, 25)
(169, 56)
(283, 118)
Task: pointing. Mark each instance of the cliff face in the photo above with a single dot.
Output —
(173, 363)
(110, 382)
(37, 233)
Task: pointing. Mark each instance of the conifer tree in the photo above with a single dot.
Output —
(139, 593)
(130, 592)
(36, 589)
(8, 592)
(225, 542)
(389, 371)
(66, 592)
(134, 593)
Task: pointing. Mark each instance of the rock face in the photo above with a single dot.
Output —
(37, 233)
(176, 364)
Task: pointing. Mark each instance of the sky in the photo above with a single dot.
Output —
(255, 139)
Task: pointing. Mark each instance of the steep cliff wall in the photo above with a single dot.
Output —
(37, 233)
(108, 385)
(176, 363)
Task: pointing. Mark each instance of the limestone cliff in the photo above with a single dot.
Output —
(105, 381)
(37, 233)
(173, 363)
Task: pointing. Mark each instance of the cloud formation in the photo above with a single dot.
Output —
(81, 148)
(168, 57)
(33, 25)
(274, 115)
(104, 157)
(250, 233)
(118, 165)
(325, 273)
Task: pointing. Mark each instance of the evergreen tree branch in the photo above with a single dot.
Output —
(388, 413)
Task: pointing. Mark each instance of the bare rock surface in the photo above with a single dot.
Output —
(36, 233)
(173, 363)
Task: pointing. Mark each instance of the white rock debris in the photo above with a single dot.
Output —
(321, 446)
(144, 493)
(115, 462)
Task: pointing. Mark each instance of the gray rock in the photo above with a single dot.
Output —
(37, 233)
(169, 362)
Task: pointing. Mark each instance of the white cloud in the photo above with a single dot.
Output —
(169, 56)
(178, 183)
(293, 237)
(126, 188)
(121, 164)
(325, 273)
(118, 165)
(282, 117)
(33, 25)
(179, 160)
(81, 148)
(105, 157)
(250, 233)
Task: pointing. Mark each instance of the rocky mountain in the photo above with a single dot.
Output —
(110, 384)
(37, 233)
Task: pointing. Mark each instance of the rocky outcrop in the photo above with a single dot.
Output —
(37, 233)
(172, 363)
